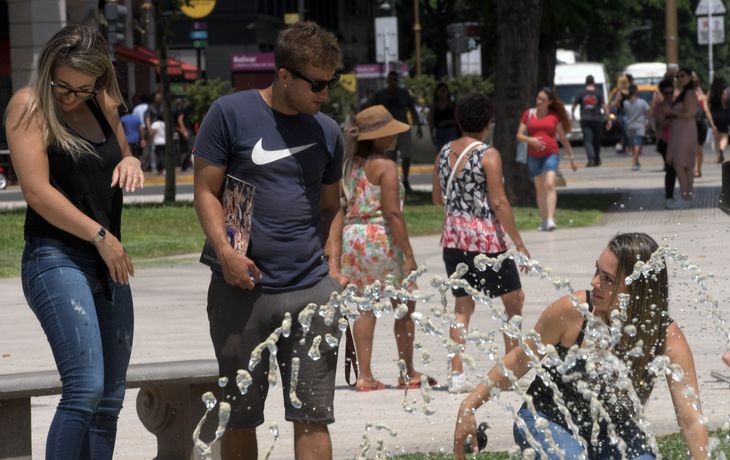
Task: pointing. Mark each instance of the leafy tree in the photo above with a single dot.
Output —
(421, 87)
(341, 103)
(518, 28)
(201, 95)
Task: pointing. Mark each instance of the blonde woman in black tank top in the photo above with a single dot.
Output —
(72, 160)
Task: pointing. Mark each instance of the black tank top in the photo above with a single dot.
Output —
(86, 184)
(579, 408)
(444, 117)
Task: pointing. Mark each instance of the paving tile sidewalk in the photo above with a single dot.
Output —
(171, 323)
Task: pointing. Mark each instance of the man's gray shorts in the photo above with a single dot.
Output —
(241, 319)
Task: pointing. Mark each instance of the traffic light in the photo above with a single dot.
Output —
(116, 19)
(464, 36)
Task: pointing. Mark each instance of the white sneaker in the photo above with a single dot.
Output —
(679, 204)
(550, 225)
(458, 383)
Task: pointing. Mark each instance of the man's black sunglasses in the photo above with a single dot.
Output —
(317, 85)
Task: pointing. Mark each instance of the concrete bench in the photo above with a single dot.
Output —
(168, 404)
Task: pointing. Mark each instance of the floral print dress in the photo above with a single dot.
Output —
(469, 223)
(368, 250)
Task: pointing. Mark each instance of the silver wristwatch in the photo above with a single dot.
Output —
(100, 235)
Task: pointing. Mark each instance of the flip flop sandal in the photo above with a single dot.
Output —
(414, 385)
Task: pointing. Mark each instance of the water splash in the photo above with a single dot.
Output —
(224, 413)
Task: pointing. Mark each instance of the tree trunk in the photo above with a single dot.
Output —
(547, 61)
(518, 31)
(162, 30)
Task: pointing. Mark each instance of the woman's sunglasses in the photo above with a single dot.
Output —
(317, 85)
(64, 91)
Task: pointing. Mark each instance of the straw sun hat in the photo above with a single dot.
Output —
(375, 122)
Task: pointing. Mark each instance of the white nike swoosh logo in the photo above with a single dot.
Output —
(261, 156)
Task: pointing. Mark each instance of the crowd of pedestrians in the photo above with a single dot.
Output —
(69, 143)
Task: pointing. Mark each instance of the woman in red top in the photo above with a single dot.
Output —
(539, 128)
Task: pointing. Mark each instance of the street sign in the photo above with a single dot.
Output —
(199, 25)
(291, 18)
(704, 7)
(198, 34)
(197, 9)
(200, 43)
(386, 39)
(718, 30)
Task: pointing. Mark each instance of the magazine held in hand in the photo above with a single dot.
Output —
(237, 202)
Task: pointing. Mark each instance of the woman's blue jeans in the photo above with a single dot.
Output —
(571, 446)
(89, 324)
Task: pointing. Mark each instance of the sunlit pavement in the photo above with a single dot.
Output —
(171, 322)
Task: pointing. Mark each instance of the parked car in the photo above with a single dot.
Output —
(646, 73)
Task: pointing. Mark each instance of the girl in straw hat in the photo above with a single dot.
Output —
(374, 235)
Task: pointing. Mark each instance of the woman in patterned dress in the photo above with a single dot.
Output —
(478, 219)
(374, 235)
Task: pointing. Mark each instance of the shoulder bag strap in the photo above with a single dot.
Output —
(456, 167)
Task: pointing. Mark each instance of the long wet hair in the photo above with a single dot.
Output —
(557, 107)
(648, 308)
(83, 49)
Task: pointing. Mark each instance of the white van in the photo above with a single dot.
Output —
(570, 80)
(647, 73)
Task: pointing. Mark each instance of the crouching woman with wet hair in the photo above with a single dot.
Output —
(611, 360)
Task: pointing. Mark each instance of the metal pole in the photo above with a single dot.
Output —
(670, 21)
(709, 40)
(417, 31)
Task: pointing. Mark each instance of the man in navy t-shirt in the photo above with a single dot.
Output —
(276, 140)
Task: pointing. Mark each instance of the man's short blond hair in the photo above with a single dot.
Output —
(307, 43)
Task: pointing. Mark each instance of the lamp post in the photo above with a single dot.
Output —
(417, 31)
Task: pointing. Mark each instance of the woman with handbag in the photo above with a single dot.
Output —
(540, 128)
(468, 182)
(374, 235)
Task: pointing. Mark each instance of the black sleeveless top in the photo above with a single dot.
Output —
(615, 402)
(86, 184)
(444, 118)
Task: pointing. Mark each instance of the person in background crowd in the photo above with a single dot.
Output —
(539, 128)
(703, 118)
(468, 182)
(277, 140)
(152, 114)
(592, 388)
(135, 133)
(140, 109)
(619, 94)
(717, 103)
(683, 140)
(635, 111)
(441, 117)
(157, 131)
(398, 101)
(660, 112)
(184, 132)
(591, 103)
(73, 162)
(375, 240)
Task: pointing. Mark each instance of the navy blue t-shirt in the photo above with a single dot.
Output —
(287, 158)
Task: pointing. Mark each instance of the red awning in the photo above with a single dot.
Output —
(147, 56)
